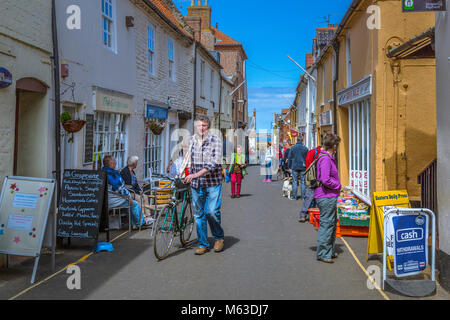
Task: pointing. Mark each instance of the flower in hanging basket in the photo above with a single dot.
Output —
(157, 127)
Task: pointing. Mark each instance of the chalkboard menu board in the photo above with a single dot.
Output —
(82, 198)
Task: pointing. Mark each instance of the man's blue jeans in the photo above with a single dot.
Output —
(307, 201)
(207, 203)
(295, 174)
(135, 213)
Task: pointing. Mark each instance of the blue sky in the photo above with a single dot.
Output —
(269, 31)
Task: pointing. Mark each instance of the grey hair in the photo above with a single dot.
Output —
(132, 160)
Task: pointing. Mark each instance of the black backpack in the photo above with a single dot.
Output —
(311, 174)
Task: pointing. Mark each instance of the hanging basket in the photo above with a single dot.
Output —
(73, 126)
(157, 127)
(157, 131)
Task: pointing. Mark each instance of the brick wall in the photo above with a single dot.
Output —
(158, 87)
(27, 21)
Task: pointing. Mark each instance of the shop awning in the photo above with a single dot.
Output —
(418, 47)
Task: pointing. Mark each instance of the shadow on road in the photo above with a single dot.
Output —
(337, 248)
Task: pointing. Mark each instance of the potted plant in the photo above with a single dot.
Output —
(157, 127)
(69, 124)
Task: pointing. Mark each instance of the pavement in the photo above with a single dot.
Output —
(268, 255)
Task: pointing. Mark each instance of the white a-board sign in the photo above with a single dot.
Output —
(24, 208)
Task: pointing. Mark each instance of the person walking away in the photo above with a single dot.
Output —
(237, 172)
(311, 156)
(205, 152)
(268, 162)
(285, 166)
(296, 162)
(326, 197)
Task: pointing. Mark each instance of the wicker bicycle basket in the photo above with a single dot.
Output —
(73, 126)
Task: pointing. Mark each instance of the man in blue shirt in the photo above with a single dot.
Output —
(296, 163)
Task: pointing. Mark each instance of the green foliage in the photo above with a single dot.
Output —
(65, 116)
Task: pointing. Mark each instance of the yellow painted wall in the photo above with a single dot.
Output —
(415, 111)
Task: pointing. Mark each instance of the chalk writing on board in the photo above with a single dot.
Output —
(81, 203)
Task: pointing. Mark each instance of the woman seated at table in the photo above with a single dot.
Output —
(117, 185)
(129, 176)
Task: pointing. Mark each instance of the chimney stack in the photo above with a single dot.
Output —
(195, 23)
(204, 12)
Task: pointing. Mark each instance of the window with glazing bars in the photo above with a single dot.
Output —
(171, 59)
(108, 23)
(151, 49)
(109, 138)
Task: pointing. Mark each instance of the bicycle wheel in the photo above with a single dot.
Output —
(164, 232)
(187, 223)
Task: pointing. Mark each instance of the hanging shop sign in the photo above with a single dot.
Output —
(424, 5)
(5, 78)
(153, 112)
(325, 118)
(357, 91)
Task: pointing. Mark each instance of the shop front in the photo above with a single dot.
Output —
(111, 118)
(356, 100)
(156, 119)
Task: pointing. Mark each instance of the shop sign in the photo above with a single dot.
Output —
(325, 118)
(111, 102)
(5, 78)
(358, 91)
(424, 5)
(410, 244)
(153, 112)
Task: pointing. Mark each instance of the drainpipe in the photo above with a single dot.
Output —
(195, 86)
(335, 80)
(395, 65)
(57, 104)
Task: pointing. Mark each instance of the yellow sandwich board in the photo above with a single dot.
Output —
(397, 198)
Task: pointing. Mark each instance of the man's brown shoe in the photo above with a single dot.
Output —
(218, 246)
(200, 251)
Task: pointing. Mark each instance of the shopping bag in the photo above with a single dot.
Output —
(227, 177)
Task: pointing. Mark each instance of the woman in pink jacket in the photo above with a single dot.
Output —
(326, 198)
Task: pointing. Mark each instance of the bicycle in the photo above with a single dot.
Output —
(169, 223)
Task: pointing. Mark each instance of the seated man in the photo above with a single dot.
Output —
(117, 185)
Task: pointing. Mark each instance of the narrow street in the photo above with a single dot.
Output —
(268, 255)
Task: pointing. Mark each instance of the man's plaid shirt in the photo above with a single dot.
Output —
(206, 155)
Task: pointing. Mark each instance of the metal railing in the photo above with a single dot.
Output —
(427, 180)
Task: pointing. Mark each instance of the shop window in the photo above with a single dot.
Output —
(359, 146)
(109, 138)
(153, 152)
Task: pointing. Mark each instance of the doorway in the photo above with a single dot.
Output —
(31, 129)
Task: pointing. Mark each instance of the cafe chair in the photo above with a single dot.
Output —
(157, 198)
(117, 211)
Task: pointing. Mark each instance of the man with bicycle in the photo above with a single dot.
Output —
(205, 177)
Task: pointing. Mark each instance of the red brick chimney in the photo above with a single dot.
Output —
(195, 23)
(202, 11)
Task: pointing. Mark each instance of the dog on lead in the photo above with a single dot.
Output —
(286, 191)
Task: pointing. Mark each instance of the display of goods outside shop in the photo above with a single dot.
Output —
(351, 210)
